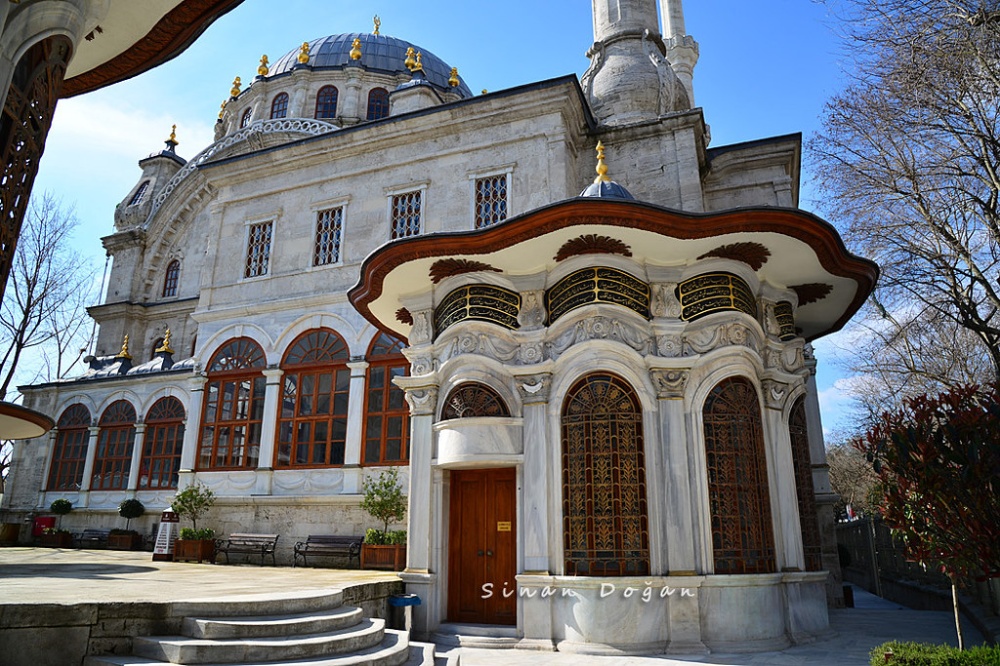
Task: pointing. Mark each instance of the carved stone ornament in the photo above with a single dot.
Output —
(421, 365)
(532, 314)
(771, 324)
(812, 292)
(422, 401)
(707, 339)
(531, 353)
(669, 346)
(473, 342)
(446, 268)
(421, 331)
(788, 358)
(534, 389)
(753, 255)
(665, 303)
(592, 244)
(601, 328)
(774, 393)
(669, 384)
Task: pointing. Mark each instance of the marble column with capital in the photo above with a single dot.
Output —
(137, 447)
(355, 427)
(189, 450)
(88, 466)
(268, 430)
(534, 391)
(423, 406)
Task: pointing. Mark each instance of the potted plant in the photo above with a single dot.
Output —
(193, 543)
(384, 500)
(56, 537)
(127, 539)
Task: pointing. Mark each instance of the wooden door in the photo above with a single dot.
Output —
(482, 548)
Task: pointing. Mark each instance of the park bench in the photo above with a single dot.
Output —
(93, 538)
(248, 544)
(329, 545)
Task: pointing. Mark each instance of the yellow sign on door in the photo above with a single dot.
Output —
(503, 526)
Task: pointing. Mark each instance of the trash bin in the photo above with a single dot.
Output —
(401, 610)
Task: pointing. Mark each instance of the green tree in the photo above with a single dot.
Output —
(384, 500)
(938, 463)
(193, 502)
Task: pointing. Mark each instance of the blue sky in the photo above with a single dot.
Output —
(766, 69)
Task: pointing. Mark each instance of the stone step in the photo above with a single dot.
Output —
(392, 651)
(261, 604)
(185, 650)
(425, 654)
(295, 624)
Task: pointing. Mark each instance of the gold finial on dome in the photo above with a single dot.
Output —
(304, 53)
(378, 24)
(124, 352)
(222, 108)
(419, 66)
(263, 68)
(235, 92)
(453, 79)
(602, 168)
(410, 61)
(165, 347)
(356, 49)
(173, 135)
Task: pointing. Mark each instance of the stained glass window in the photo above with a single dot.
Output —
(406, 214)
(258, 249)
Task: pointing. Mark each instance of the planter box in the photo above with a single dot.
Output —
(194, 550)
(389, 558)
(125, 541)
(56, 540)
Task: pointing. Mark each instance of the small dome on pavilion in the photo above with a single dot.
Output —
(603, 186)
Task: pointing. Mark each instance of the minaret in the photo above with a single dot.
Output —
(682, 50)
(629, 79)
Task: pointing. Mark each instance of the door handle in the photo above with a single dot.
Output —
(489, 553)
(480, 553)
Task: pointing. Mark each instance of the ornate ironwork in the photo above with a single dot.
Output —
(605, 523)
(446, 268)
(592, 244)
(715, 292)
(597, 285)
(27, 115)
(237, 354)
(481, 302)
(473, 399)
(75, 416)
(742, 535)
(802, 464)
(754, 255)
(784, 314)
(811, 292)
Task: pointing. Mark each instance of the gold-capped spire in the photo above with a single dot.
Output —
(602, 168)
(453, 79)
(235, 92)
(378, 24)
(173, 135)
(222, 108)
(419, 66)
(304, 53)
(356, 49)
(263, 68)
(165, 347)
(410, 61)
(124, 352)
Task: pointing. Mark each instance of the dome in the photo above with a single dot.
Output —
(606, 190)
(380, 53)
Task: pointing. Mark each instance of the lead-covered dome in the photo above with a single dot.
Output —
(378, 53)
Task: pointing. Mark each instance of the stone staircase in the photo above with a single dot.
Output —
(314, 630)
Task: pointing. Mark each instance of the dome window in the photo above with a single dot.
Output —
(139, 194)
(247, 115)
(326, 102)
(279, 107)
(378, 103)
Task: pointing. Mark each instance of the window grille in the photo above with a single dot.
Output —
(801, 462)
(329, 227)
(406, 214)
(491, 200)
(139, 194)
(258, 249)
(247, 116)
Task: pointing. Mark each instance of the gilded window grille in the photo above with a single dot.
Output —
(802, 464)
(597, 285)
(481, 302)
(161, 449)
(473, 399)
(70, 453)
(114, 447)
(784, 314)
(715, 292)
(740, 506)
(605, 520)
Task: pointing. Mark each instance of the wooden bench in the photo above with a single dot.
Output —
(93, 538)
(328, 545)
(248, 544)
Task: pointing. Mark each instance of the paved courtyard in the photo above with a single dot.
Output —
(40, 575)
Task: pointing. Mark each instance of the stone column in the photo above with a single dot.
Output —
(49, 459)
(349, 98)
(189, 451)
(355, 427)
(133, 470)
(781, 475)
(88, 466)
(268, 430)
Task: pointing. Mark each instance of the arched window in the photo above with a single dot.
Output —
(312, 423)
(742, 535)
(378, 103)
(279, 107)
(247, 116)
(473, 399)
(234, 407)
(70, 454)
(605, 521)
(170, 278)
(387, 417)
(114, 447)
(161, 449)
(801, 462)
(139, 194)
(326, 102)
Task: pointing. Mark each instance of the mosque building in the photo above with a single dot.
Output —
(599, 391)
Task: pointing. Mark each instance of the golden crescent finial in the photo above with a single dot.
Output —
(602, 168)
(263, 68)
(378, 24)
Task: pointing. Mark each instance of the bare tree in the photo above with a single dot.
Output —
(908, 164)
(851, 477)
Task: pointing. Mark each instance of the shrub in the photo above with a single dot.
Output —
(384, 501)
(129, 509)
(192, 534)
(923, 654)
